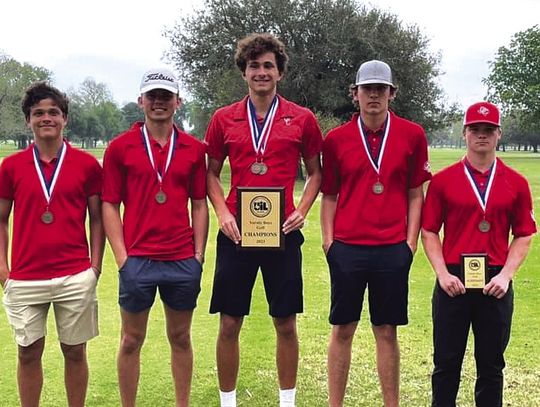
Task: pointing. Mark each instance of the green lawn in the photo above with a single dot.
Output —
(257, 383)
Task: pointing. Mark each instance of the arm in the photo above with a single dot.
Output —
(328, 213)
(498, 286)
(414, 214)
(199, 222)
(451, 284)
(311, 190)
(5, 210)
(227, 222)
(113, 228)
(97, 235)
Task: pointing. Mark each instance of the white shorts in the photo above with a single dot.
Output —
(75, 307)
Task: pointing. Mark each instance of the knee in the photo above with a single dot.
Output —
(74, 353)
(343, 334)
(131, 343)
(180, 340)
(386, 334)
(286, 328)
(31, 354)
(229, 328)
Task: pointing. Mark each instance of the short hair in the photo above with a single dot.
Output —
(43, 90)
(254, 45)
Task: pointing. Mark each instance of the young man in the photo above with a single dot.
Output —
(263, 136)
(373, 170)
(154, 169)
(51, 187)
(479, 200)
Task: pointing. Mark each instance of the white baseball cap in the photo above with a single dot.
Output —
(160, 78)
(374, 72)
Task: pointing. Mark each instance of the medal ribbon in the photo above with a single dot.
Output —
(170, 153)
(376, 165)
(260, 134)
(482, 198)
(48, 187)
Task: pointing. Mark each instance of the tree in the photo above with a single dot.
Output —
(514, 82)
(14, 79)
(326, 41)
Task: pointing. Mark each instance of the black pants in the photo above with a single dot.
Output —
(490, 319)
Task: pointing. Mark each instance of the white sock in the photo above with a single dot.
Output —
(287, 397)
(228, 398)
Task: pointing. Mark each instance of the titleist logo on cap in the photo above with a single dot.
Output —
(158, 77)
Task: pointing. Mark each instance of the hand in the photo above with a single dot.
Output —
(294, 222)
(120, 262)
(96, 270)
(326, 246)
(227, 224)
(451, 284)
(498, 286)
(413, 246)
(3, 276)
(199, 256)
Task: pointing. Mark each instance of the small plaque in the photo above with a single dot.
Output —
(261, 213)
(474, 271)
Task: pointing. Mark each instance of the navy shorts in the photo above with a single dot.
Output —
(383, 269)
(179, 283)
(236, 271)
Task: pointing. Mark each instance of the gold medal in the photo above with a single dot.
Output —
(161, 197)
(263, 168)
(484, 226)
(256, 168)
(47, 217)
(377, 188)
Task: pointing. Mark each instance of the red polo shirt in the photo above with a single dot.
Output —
(295, 132)
(451, 201)
(40, 251)
(363, 217)
(158, 231)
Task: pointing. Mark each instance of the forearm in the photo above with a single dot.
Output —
(4, 243)
(516, 255)
(328, 214)
(199, 222)
(113, 229)
(97, 234)
(433, 249)
(414, 214)
(312, 185)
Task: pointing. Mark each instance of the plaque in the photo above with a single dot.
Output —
(377, 188)
(474, 271)
(161, 197)
(260, 216)
(47, 217)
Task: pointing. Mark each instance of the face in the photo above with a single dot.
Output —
(159, 105)
(262, 75)
(373, 99)
(482, 137)
(46, 120)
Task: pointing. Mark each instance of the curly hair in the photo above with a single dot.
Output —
(254, 45)
(43, 90)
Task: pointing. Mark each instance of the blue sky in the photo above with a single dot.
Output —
(116, 41)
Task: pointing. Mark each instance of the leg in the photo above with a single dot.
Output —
(179, 334)
(491, 327)
(30, 373)
(388, 362)
(75, 373)
(128, 362)
(286, 351)
(339, 361)
(228, 351)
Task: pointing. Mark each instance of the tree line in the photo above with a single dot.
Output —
(326, 41)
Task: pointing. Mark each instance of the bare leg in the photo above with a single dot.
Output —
(339, 361)
(388, 363)
(75, 373)
(30, 373)
(286, 351)
(228, 351)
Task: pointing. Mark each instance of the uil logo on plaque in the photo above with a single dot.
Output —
(260, 216)
(474, 270)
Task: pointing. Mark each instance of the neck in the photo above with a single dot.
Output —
(262, 102)
(159, 131)
(48, 149)
(481, 162)
(373, 122)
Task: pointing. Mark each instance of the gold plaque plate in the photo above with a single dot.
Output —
(474, 270)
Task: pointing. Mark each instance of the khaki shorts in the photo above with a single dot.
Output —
(75, 307)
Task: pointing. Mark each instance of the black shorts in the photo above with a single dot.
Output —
(179, 283)
(383, 269)
(236, 271)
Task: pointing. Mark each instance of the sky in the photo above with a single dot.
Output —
(116, 41)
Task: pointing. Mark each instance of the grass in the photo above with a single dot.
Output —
(257, 384)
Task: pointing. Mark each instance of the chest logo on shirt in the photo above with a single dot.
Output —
(427, 167)
(287, 121)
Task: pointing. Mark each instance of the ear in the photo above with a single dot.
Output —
(393, 92)
(139, 101)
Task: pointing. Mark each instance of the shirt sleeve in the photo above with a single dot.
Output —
(433, 209)
(523, 222)
(330, 171)
(94, 183)
(6, 181)
(113, 174)
(311, 138)
(420, 169)
(215, 145)
(198, 179)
